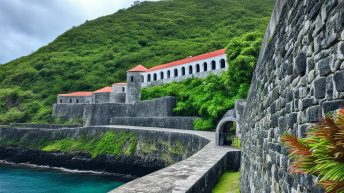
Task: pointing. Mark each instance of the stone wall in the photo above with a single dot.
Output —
(101, 97)
(74, 99)
(100, 114)
(299, 78)
(154, 149)
(41, 126)
(162, 122)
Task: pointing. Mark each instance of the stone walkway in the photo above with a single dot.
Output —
(190, 175)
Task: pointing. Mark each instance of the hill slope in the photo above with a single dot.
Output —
(98, 52)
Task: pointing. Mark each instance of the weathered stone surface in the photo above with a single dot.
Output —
(301, 64)
(329, 106)
(320, 88)
(338, 79)
(163, 122)
(311, 31)
(324, 67)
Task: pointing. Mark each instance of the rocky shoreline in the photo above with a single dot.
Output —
(126, 168)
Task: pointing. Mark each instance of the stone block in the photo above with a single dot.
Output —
(329, 87)
(320, 88)
(330, 106)
(301, 64)
(338, 79)
(305, 103)
(324, 67)
(282, 123)
(292, 118)
(313, 114)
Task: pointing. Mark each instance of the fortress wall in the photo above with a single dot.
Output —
(74, 99)
(69, 111)
(103, 97)
(298, 79)
(24, 146)
(100, 114)
(161, 122)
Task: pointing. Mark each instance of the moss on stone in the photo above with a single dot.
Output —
(112, 143)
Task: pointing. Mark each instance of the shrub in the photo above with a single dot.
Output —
(321, 152)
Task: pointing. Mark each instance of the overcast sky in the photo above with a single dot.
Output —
(26, 25)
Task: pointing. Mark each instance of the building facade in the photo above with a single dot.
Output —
(139, 77)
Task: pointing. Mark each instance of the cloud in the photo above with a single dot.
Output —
(26, 25)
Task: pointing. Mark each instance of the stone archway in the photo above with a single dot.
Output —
(224, 131)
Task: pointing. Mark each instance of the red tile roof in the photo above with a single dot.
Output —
(188, 60)
(120, 83)
(105, 89)
(77, 94)
(138, 68)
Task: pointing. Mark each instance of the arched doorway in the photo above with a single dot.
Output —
(226, 132)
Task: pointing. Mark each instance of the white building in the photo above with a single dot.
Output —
(139, 77)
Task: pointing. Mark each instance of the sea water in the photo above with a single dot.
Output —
(14, 179)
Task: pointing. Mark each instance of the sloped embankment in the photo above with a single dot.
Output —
(130, 153)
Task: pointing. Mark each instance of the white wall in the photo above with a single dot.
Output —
(180, 77)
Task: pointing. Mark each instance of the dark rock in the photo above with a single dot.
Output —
(324, 67)
(306, 103)
(301, 64)
(329, 106)
(313, 114)
(329, 87)
(338, 79)
(320, 88)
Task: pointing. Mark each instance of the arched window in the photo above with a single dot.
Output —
(168, 74)
(175, 72)
(213, 65)
(155, 77)
(70, 101)
(77, 100)
(205, 67)
(198, 69)
(60, 100)
(123, 89)
(161, 75)
(190, 70)
(142, 78)
(149, 77)
(183, 71)
(223, 63)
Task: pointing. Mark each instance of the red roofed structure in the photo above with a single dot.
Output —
(105, 89)
(188, 60)
(199, 66)
(77, 94)
(138, 68)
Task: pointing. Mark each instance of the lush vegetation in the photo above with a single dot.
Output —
(321, 153)
(228, 183)
(99, 52)
(211, 97)
(111, 143)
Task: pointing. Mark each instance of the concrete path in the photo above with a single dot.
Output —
(195, 174)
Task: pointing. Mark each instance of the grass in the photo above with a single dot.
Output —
(112, 143)
(228, 183)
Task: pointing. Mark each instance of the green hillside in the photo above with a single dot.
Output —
(98, 52)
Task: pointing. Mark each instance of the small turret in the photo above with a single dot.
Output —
(134, 80)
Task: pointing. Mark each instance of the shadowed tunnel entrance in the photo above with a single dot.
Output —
(226, 131)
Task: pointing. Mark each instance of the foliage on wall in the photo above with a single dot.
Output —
(321, 152)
